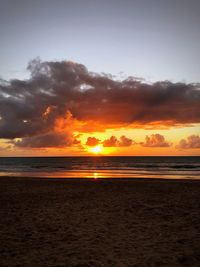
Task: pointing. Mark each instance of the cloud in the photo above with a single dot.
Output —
(155, 140)
(6, 148)
(113, 141)
(46, 140)
(125, 141)
(67, 94)
(92, 141)
(193, 141)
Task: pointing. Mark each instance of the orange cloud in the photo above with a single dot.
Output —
(192, 142)
(92, 141)
(111, 142)
(114, 142)
(125, 141)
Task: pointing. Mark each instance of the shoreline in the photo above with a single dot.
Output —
(101, 179)
(92, 178)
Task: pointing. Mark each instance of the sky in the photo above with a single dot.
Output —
(115, 77)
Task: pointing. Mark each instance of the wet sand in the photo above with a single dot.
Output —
(82, 223)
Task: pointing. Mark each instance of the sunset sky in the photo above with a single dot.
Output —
(88, 77)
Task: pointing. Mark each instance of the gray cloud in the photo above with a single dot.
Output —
(47, 140)
(29, 109)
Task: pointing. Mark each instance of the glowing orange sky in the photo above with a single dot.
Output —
(172, 135)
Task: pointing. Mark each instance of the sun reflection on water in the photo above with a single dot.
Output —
(95, 175)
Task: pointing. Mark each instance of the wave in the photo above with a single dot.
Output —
(189, 166)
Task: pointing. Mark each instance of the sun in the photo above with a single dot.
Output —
(96, 149)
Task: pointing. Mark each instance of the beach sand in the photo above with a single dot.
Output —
(81, 223)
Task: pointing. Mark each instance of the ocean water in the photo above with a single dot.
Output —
(102, 167)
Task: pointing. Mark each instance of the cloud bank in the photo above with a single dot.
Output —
(60, 96)
(53, 139)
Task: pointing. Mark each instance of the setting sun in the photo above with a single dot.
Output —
(96, 149)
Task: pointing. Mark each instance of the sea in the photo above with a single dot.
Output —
(101, 167)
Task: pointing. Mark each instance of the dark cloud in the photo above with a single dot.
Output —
(92, 141)
(113, 141)
(46, 140)
(192, 141)
(32, 108)
(155, 140)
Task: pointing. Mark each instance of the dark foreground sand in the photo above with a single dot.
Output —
(73, 223)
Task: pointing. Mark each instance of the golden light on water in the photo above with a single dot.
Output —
(95, 175)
